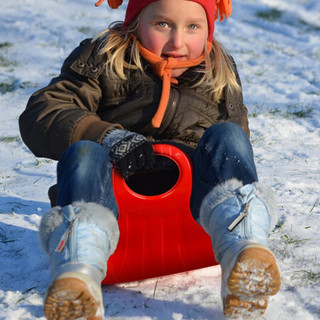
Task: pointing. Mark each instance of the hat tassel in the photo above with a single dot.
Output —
(114, 4)
(223, 8)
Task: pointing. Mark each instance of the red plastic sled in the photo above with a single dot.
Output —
(158, 235)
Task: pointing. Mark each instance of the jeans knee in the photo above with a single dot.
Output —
(224, 129)
(83, 148)
(82, 151)
(81, 156)
(226, 133)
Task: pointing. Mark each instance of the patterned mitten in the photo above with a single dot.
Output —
(128, 151)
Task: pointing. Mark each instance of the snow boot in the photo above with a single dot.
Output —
(79, 239)
(239, 219)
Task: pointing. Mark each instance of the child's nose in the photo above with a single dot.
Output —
(177, 39)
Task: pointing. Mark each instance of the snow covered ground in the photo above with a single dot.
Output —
(277, 47)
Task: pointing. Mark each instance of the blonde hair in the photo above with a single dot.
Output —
(218, 74)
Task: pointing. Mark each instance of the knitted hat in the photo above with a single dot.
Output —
(213, 9)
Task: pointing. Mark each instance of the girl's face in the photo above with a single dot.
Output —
(174, 28)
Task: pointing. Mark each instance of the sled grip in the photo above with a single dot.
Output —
(181, 189)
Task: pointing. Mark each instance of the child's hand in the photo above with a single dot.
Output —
(129, 151)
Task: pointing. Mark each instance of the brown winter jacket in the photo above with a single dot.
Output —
(83, 103)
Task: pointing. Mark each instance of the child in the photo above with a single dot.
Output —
(158, 77)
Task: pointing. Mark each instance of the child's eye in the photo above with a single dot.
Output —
(193, 26)
(163, 24)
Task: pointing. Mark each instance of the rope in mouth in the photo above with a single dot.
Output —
(163, 69)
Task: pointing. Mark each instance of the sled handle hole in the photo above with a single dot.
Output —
(157, 180)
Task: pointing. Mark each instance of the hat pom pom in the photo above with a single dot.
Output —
(223, 8)
(114, 4)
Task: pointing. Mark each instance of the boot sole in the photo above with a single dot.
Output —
(71, 298)
(254, 277)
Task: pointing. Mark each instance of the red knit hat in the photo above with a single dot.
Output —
(213, 9)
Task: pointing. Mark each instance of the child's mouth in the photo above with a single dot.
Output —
(178, 57)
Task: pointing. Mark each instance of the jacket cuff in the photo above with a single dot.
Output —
(92, 128)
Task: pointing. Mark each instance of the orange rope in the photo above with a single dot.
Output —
(163, 69)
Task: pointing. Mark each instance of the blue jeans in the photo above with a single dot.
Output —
(85, 173)
(223, 153)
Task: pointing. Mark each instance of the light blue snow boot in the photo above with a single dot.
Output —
(239, 219)
(79, 239)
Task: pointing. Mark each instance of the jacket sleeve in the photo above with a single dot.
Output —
(65, 111)
(237, 112)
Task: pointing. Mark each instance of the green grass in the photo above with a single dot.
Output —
(293, 112)
(312, 276)
(6, 44)
(4, 61)
(296, 111)
(85, 30)
(314, 206)
(280, 223)
(300, 111)
(270, 15)
(308, 27)
(27, 84)
(296, 241)
(3, 236)
(287, 243)
(303, 275)
(41, 161)
(8, 86)
(10, 139)
(26, 293)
